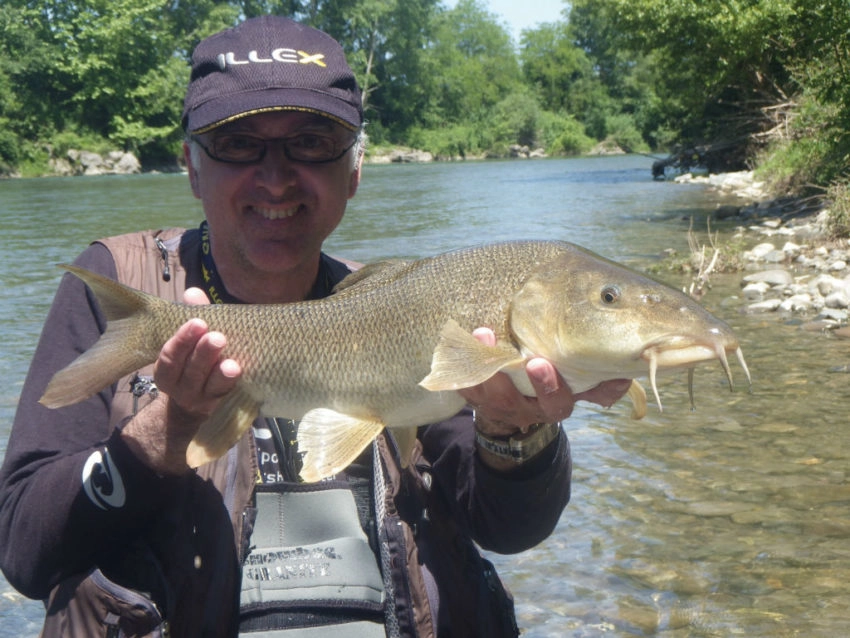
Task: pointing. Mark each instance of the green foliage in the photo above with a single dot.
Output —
(10, 155)
(449, 142)
(69, 139)
(562, 134)
(621, 129)
(471, 66)
(514, 120)
(772, 76)
(838, 220)
(813, 152)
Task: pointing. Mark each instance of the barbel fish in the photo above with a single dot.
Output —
(393, 344)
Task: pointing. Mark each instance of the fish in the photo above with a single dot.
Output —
(393, 344)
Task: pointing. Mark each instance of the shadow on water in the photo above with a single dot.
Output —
(730, 520)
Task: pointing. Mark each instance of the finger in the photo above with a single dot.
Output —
(555, 399)
(606, 393)
(195, 297)
(222, 379)
(201, 374)
(175, 353)
(485, 336)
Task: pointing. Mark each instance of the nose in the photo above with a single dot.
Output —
(275, 172)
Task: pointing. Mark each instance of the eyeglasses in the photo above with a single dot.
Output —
(240, 148)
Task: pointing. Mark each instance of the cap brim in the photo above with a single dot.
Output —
(227, 108)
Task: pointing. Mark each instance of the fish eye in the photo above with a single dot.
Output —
(610, 294)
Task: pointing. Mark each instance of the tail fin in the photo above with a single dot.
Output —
(118, 352)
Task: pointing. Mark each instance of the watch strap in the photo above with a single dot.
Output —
(520, 449)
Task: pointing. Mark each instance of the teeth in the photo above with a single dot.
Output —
(276, 213)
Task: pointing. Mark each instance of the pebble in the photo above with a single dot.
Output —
(810, 282)
(773, 277)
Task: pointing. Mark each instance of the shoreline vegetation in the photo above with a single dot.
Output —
(736, 81)
(755, 84)
(78, 163)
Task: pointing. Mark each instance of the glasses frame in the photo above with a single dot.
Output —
(282, 141)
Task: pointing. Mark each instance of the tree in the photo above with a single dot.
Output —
(552, 64)
(472, 65)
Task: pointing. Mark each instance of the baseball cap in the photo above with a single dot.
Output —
(269, 63)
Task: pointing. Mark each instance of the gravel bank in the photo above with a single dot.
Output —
(793, 269)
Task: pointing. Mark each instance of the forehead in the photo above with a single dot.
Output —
(280, 123)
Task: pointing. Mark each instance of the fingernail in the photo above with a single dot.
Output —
(217, 340)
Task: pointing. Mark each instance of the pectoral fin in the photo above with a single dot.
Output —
(638, 396)
(330, 441)
(461, 361)
(224, 428)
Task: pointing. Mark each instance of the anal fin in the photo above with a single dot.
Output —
(330, 441)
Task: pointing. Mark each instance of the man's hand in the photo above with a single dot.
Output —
(501, 410)
(192, 378)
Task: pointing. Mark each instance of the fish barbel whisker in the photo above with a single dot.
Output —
(739, 353)
(656, 357)
(653, 370)
(724, 362)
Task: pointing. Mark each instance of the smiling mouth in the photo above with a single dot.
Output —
(271, 213)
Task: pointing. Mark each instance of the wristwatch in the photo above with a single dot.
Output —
(520, 448)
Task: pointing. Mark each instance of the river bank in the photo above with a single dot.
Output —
(792, 267)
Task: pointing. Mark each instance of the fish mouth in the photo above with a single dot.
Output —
(684, 352)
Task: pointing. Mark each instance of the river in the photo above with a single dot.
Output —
(731, 520)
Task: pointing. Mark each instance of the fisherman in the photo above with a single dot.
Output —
(102, 518)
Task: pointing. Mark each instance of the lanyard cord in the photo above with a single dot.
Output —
(215, 287)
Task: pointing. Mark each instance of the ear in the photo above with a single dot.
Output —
(193, 172)
(354, 178)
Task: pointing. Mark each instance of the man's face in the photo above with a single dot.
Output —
(271, 217)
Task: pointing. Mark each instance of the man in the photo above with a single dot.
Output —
(102, 517)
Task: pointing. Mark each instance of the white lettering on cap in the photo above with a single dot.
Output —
(102, 482)
(287, 56)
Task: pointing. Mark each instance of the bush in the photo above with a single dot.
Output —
(838, 219)
(69, 139)
(459, 140)
(514, 120)
(622, 130)
(9, 149)
(563, 135)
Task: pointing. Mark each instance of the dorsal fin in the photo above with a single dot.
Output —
(377, 272)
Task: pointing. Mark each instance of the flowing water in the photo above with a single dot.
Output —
(731, 520)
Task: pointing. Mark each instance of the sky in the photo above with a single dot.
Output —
(519, 14)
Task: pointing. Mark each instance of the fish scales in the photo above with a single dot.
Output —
(394, 344)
